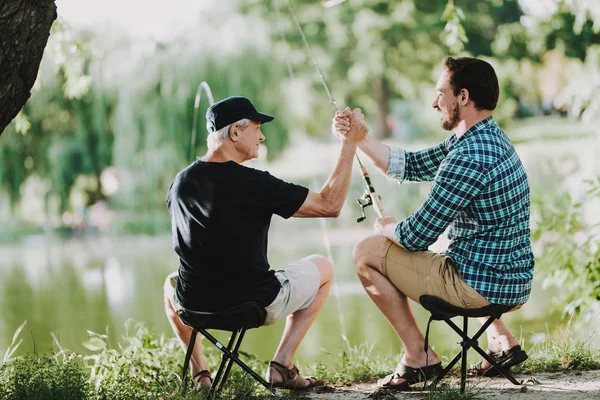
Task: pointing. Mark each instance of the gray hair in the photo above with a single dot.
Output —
(217, 138)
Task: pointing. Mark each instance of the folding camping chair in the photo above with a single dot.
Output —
(441, 310)
(235, 320)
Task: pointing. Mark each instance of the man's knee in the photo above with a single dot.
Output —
(367, 253)
(324, 265)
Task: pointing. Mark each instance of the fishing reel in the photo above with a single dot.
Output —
(364, 201)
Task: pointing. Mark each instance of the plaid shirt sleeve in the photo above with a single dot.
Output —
(458, 181)
(418, 166)
(396, 162)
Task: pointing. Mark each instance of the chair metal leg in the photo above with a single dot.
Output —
(500, 369)
(465, 348)
(447, 369)
(225, 357)
(242, 365)
(235, 353)
(186, 363)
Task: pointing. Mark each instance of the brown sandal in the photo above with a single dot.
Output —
(291, 378)
(410, 375)
(202, 374)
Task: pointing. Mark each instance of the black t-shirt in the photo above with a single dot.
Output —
(220, 217)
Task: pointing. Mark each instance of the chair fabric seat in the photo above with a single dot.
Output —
(441, 309)
(248, 315)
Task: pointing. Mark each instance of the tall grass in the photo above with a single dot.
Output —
(146, 366)
(561, 351)
(353, 364)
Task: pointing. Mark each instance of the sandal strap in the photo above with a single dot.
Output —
(291, 378)
(202, 374)
(415, 375)
(286, 373)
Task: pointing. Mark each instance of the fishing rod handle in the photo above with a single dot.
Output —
(374, 196)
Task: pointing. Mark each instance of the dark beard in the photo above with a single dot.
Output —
(450, 124)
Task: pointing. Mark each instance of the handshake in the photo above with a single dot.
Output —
(349, 125)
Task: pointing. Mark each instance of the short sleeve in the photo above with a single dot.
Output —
(278, 196)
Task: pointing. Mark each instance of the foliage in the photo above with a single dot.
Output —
(569, 252)
(353, 364)
(105, 99)
(372, 52)
(63, 132)
(561, 351)
(146, 366)
(143, 367)
(43, 378)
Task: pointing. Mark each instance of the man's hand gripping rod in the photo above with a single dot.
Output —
(369, 197)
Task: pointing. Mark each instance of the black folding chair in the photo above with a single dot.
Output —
(443, 311)
(235, 320)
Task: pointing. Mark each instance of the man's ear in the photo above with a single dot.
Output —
(234, 133)
(464, 97)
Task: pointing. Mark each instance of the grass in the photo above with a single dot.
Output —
(146, 366)
(561, 352)
(352, 364)
(445, 392)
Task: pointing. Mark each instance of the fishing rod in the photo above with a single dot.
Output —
(369, 197)
(202, 85)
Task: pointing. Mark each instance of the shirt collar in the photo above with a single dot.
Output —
(486, 123)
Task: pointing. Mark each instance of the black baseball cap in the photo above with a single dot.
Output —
(233, 109)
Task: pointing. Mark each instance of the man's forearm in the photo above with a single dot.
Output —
(336, 188)
(377, 152)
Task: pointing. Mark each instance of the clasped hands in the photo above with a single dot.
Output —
(349, 125)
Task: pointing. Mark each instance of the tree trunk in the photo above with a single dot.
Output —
(24, 30)
(382, 93)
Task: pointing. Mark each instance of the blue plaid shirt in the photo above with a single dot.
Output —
(480, 190)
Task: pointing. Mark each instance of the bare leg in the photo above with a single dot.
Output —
(391, 302)
(184, 332)
(499, 338)
(297, 324)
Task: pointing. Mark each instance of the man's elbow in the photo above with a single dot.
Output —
(333, 212)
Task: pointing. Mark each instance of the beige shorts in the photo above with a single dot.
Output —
(300, 283)
(425, 272)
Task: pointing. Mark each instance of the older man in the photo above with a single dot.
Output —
(481, 191)
(221, 211)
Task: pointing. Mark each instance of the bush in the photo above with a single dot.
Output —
(44, 378)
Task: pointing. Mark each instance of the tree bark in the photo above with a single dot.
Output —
(24, 31)
(382, 93)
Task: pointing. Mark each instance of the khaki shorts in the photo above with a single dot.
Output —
(300, 282)
(425, 272)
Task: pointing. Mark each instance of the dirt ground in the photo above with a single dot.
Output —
(546, 386)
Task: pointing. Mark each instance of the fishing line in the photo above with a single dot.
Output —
(323, 222)
(370, 197)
